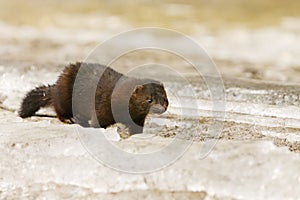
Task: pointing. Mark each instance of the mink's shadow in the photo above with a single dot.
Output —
(45, 115)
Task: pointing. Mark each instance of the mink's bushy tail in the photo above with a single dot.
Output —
(36, 99)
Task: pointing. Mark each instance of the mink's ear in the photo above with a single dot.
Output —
(138, 88)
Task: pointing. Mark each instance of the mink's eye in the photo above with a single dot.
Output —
(149, 100)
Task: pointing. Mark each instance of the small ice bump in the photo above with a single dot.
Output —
(112, 134)
(121, 129)
(19, 119)
(67, 151)
(18, 145)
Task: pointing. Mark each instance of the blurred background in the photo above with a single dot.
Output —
(247, 39)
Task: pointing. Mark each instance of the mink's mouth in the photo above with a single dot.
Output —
(157, 109)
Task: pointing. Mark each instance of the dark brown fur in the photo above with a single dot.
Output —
(97, 96)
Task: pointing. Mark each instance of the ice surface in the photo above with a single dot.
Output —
(43, 158)
(37, 161)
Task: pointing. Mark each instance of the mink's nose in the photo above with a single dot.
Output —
(157, 109)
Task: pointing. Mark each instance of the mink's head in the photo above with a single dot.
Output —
(147, 98)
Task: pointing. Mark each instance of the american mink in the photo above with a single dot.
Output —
(97, 96)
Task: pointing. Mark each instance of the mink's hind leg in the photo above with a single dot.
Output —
(62, 103)
(63, 114)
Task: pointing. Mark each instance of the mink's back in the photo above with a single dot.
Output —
(74, 94)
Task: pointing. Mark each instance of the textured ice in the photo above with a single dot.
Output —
(34, 160)
(15, 83)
